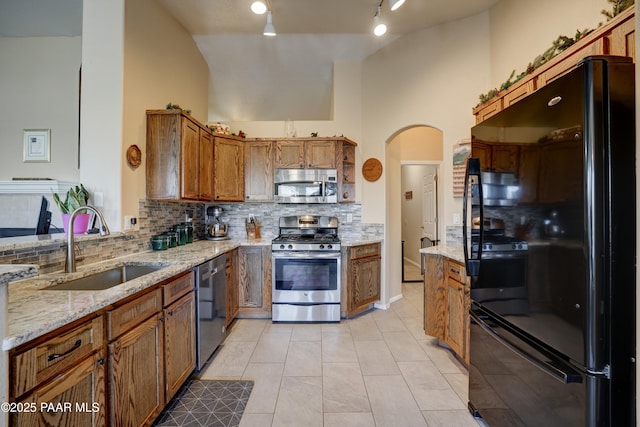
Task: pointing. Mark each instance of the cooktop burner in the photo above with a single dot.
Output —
(307, 233)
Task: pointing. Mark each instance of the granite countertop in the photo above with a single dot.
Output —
(454, 251)
(34, 311)
(356, 241)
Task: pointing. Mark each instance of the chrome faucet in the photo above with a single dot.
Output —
(71, 255)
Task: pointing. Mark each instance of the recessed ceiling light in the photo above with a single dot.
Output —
(258, 7)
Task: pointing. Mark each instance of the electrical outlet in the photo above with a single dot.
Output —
(349, 217)
(129, 222)
(456, 219)
(98, 199)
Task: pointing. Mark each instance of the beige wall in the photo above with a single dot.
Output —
(162, 64)
(40, 90)
(521, 30)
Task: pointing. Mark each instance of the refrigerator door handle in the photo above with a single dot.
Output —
(565, 375)
(471, 257)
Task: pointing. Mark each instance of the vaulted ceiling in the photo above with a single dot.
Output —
(253, 77)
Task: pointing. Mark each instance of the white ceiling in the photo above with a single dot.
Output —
(254, 77)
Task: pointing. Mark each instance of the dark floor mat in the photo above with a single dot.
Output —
(207, 403)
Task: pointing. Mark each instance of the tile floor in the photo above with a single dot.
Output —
(378, 369)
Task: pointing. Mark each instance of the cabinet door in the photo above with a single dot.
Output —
(254, 281)
(622, 40)
(179, 343)
(163, 154)
(290, 154)
(76, 396)
(320, 154)
(135, 379)
(504, 158)
(529, 167)
(206, 167)
(365, 283)
(482, 151)
(434, 295)
(455, 316)
(232, 286)
(189, 159)
(258, 171)
(228, 181)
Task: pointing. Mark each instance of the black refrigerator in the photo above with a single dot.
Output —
(552, 329)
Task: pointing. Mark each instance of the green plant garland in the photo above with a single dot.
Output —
(558, 46)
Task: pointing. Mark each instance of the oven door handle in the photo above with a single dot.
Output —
(324, 189)
(305, 255)
(472, 258)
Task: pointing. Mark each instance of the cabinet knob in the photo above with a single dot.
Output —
(101, 361)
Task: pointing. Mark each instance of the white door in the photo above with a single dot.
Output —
(430, 203)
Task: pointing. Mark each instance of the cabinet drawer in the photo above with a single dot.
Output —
(38, 364)
(364, 251)
(456, 271)
(132, 313)
(173, 290)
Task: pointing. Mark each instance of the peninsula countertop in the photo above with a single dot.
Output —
(33, 311)
(454, 251)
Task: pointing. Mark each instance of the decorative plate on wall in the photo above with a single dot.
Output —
(372, 169)
(134, 156)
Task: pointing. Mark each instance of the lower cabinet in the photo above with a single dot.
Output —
(61, 380)
(136, 377)
(446, 303)
(254, 281)
(179, 343)
(363, 277)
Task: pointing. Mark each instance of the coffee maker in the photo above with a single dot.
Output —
(216, 229)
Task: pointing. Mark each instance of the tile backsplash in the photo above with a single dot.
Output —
(156, 216)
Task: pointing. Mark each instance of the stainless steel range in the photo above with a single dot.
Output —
(306, 270)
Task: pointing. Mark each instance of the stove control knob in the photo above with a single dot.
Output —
(321, 246)
(329, 246)
(281, 246)
(290, 247)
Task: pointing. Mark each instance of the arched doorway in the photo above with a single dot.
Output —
(416, 144)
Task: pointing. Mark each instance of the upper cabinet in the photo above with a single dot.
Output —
(258, 171)
(616, 37)
(228, 173)
(301, 153)
(185, 160)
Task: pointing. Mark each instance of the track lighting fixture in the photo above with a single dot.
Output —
(395, 4)
(269, 29)
(258, 7)
(379, 27)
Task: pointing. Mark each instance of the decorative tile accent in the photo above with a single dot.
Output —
(207, 403)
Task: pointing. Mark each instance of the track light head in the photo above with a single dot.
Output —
(395, 4)
(269, 29)
(379, 27)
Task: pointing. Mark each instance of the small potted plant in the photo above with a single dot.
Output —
(76, 197)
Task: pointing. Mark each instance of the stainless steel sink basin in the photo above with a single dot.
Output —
(106, 279)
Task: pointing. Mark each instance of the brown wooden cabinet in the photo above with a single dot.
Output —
(231, 273)
(206, 167)
(363, 277)
(228, 174)
(254, 281)
(446, 303)
(135, 375)
(299, 153)
(616, 37)
(173, 152)
(179, 343)
(346, 166)
(456, 333)
(66, 368)
(258, 171)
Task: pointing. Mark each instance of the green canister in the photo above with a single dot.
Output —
(189, 228)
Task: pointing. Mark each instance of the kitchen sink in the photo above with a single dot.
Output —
(106, 279)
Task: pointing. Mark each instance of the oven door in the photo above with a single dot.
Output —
(306, 277)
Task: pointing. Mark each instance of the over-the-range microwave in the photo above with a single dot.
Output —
(306, 186)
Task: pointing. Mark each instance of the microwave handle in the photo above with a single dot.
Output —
(324, 189)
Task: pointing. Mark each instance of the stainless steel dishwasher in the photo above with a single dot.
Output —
(211, 308)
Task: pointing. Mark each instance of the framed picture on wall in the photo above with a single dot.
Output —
(37, 145)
